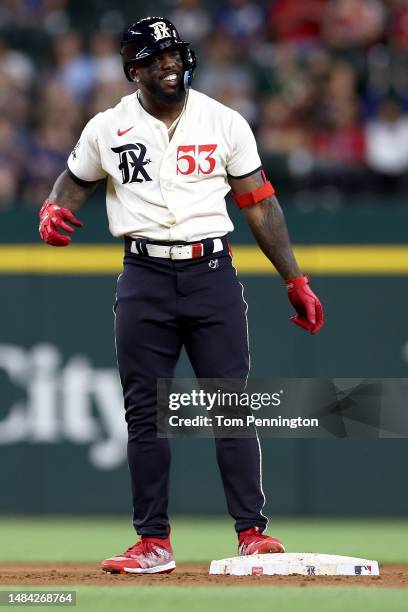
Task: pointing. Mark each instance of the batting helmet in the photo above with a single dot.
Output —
(153, 35)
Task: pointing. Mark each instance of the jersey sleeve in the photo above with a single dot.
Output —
(84, 163)
(244, 158)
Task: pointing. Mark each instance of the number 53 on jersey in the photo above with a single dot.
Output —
(196, 159)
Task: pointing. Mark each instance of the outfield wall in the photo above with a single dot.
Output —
(62, 435)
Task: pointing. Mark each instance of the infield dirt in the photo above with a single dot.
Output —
(186, 574)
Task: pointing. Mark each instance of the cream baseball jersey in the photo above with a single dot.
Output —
(166, 189)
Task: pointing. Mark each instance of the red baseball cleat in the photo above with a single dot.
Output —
(147, 556)
(252, 542)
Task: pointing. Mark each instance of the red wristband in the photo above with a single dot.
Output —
(253, 197)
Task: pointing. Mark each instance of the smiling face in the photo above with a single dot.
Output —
(161, 75)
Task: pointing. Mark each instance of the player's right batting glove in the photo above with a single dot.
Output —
(53, 218)
(309, 311)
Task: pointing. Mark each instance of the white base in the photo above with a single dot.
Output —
(304, 564)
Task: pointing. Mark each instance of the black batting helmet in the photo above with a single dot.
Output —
(153, 35)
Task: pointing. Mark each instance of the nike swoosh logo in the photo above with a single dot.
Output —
(121, 133)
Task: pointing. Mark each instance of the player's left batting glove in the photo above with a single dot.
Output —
(53, 218)
(309, 311)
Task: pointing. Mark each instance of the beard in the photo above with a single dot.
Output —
(165, 96)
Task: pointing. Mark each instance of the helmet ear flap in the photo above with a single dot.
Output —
(187, 79)
(190, 63)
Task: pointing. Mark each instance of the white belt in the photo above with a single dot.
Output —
(177, 251)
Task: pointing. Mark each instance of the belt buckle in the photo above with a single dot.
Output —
(197, 250)
(174, 246)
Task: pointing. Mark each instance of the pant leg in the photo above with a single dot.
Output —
(147, 346)
(216, 341)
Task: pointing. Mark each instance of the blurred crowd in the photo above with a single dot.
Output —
(324, 84)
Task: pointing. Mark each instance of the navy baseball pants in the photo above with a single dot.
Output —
(161, 306)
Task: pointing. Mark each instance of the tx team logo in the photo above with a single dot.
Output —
(132, 162)
(160, 30)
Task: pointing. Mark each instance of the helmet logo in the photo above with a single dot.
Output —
(160, 30)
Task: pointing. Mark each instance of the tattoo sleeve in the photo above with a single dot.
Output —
(268, 225)
(69, 194)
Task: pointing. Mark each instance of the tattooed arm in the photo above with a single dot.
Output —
(268, 226)
(56, 212)
(68, 193)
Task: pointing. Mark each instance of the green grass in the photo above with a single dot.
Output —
(92, 539)
(237, 599)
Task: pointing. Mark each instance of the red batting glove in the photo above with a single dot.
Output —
(52, 218)
(309, 311)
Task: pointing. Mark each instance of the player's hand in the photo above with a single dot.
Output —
(53, 218)
(309, 311)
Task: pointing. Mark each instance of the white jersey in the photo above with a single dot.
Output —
(160, 189)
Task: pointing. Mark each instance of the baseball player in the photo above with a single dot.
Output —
(170, 155)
